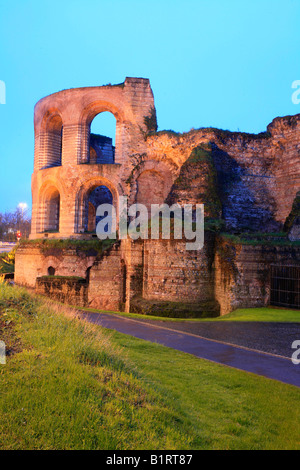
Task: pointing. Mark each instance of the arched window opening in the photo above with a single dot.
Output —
(99, 195)
(102, 139)
(52, 210)
(51, 271)
(53, 148)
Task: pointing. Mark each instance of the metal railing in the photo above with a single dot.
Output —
(285, 286)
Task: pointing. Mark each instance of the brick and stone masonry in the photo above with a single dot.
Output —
(248, 183)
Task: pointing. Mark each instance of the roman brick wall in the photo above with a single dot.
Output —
(173, 273)
(32, 262)
(285, 133)
(70, 291)
(105, 281)
(257, 177)
(247, 181)
(103, 148)
(69, 114)
(242, 272)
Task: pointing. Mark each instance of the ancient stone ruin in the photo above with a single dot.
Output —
(247, 182)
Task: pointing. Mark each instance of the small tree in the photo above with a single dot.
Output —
(150, 121)
(11, 222)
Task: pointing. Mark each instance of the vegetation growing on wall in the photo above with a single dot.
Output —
(221, 133)
(7, 262)
(55, 247)
(198, 173)
(150, 121)
(260, 238)
(62, 278)
(137, 160)
(170, 309)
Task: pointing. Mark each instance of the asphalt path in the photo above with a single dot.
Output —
(269, 365)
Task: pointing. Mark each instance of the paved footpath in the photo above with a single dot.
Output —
(249, 360)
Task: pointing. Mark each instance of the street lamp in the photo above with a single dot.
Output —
(23, 206)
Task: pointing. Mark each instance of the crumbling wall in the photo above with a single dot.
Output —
(242, 272)
(32, 261)
(72, 291)
(257, 176)
(171, 272)
(105, 281)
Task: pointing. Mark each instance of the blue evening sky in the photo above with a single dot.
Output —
(221, 63)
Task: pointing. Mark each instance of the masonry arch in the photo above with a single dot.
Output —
(152, 183)
(49, 209)
(110, 153)
(50, 266)
(102, 138)
(52, 137)
(90, 195)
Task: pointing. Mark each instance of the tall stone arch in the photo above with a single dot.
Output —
(49, 208)
(64, 155)
(82, 197)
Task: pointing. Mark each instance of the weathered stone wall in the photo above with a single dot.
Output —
(104, 151)
(247, 183)
(255, 178)
(242, 272)
(237, 276)
(32, 262)
(69, 113)
(105, 281)
(70, 291)
(171, 272)
(153, 270)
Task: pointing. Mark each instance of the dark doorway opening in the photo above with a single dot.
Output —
(51, 271)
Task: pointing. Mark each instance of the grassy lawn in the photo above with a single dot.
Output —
(68, 384)
(266, 314)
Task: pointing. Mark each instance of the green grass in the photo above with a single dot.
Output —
(65, 278)
(225, 408)
(74, 385)
(264, 314)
